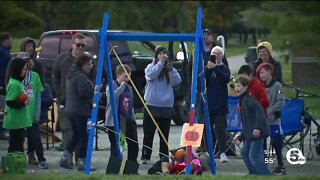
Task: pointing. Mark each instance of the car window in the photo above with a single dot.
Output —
(50, 47)
(137, 48)
(65, 44)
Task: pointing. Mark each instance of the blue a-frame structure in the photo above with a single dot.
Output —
(105, 36)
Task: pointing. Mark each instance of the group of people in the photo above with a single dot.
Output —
(73, 79)
(26, 98)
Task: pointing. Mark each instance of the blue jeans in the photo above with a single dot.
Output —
(253, 157)
(80, 134)
(34, 141)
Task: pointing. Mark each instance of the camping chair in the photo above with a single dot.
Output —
(48, 132)
(292, 123)
(234, 125)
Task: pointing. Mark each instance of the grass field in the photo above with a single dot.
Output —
(125, 177)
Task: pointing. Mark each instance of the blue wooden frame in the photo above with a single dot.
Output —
(116, 36)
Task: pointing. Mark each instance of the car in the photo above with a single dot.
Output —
(251, 54)
(136, 54)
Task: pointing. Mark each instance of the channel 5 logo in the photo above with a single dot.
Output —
(295, 156)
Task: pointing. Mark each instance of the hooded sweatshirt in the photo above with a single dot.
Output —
(252, 117)
(79, 92)
(277, 100)
(4, 61)
(37, 64)
(159, 92)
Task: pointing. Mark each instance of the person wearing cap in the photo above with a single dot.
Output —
(217, 77)
(161, 77)
(5, 56)
(33, 88)
(209, 43)
(277, 101)
(264, 51)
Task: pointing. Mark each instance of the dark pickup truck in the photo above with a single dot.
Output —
(133, 53)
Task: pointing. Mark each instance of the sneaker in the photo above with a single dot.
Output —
(43, 165)
(279, 170)
(158, 173)
(223, 157)
(3, 137)
(31, 159)
(59, 148)
(144, 161)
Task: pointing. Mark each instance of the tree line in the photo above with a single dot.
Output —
(31, 18)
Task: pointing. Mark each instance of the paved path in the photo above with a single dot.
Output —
(100, 158)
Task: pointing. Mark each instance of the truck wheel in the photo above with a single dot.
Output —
(182, 110)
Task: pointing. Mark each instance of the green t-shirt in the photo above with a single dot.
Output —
(16, 118)
(32, 89)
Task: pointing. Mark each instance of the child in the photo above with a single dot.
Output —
(124, 103)
(256, 87)
(178, 164)
(18, 117)
(254, 129)
(276, 99)
(33, 87)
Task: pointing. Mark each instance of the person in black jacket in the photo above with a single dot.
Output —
(254, 129)
(217, 77)
(79, 95)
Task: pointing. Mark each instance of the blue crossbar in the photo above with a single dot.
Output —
(115, 36)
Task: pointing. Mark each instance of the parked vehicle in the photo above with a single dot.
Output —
(251, 55)
(133, 53)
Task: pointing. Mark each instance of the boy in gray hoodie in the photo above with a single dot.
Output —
(276, 104)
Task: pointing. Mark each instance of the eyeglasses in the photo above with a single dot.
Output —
(80, 45)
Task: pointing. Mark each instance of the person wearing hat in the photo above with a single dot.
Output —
(161, 77)
(33, 88)
(29, 45)
(277, 101)
(5, 56)
(209, 43)
(264, 51)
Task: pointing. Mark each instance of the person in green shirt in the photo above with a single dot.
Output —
(18, 117)
(33, 87)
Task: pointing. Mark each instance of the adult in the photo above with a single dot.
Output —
(209, 43)
(79, 94)
(29, 45)
(161, 77)
(60, 68)
(5, 56)
(264, 51)
(217, 77)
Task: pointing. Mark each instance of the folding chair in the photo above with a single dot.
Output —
(234, 125)
(292, 124)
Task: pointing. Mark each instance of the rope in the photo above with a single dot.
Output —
(142, 100)
(135, 141)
